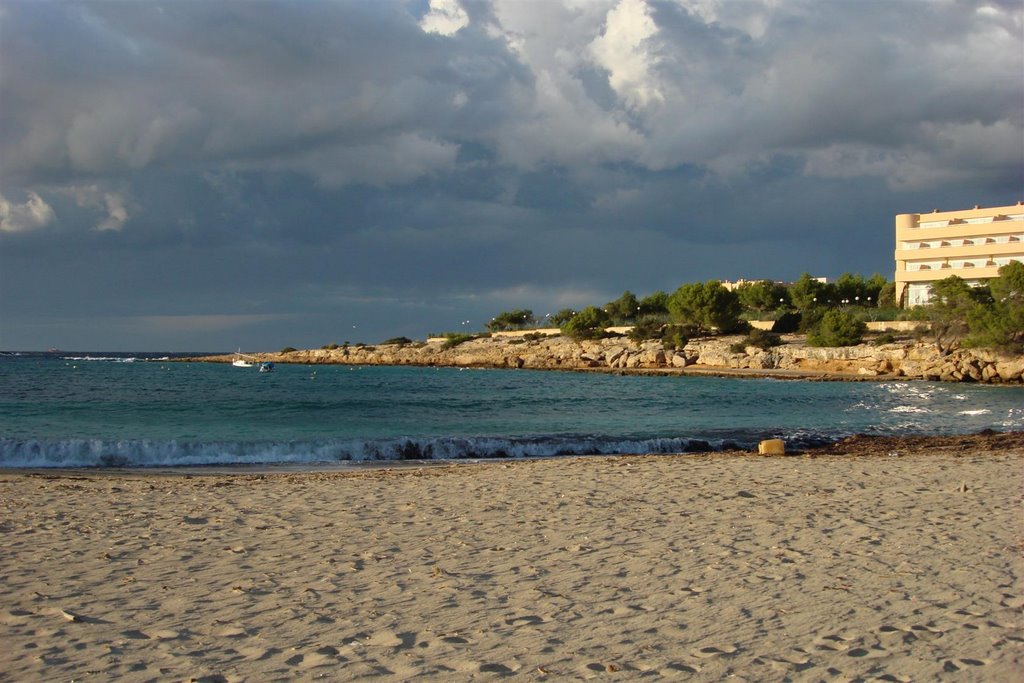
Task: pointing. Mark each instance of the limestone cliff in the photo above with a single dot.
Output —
(915, 360)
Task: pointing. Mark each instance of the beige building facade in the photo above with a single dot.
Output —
(972, 244)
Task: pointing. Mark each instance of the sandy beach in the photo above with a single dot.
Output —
(896, 560)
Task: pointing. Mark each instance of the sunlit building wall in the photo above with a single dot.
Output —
(972, 244)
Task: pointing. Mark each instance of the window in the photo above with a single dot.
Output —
(917, 294)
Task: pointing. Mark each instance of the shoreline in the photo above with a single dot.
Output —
(714, 356)
(860, 445)
(867, 565)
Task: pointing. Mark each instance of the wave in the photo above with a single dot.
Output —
(42, 453)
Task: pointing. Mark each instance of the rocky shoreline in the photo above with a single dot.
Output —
(793, 359)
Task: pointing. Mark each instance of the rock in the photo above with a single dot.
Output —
(913, 361)
(612, 355)
(1010, 369)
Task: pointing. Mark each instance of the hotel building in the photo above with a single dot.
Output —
(971, 244)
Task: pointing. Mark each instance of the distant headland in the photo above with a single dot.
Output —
(881, 358)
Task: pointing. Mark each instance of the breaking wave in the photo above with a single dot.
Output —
(39, 453)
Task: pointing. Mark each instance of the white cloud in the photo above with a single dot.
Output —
(112, 204)
(445, 17)
(625, 52)
(31, 214)
(995, 148)
(117, 214)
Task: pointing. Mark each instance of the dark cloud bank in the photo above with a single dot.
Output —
(222, 174)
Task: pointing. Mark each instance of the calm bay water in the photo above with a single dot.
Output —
(62, 410)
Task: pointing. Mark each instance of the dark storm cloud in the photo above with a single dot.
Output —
(280, 171)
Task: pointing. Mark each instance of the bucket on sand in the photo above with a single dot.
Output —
(771, 447)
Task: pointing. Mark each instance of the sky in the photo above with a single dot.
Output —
(204, 176)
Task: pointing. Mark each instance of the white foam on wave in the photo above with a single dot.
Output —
(908, 409)
(38, 453)
(982, 411)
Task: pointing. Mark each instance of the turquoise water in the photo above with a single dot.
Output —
(69, 410)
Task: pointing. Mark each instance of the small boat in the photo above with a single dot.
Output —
(241, 360)
(266, 367)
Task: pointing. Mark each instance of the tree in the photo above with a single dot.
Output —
(873, 287)
(511, 320)
(623, 309)
(952, 303)
(707, 306)
(837, 328)
(763, 296)
(647, 327)
(1001, 324)
(807, 293)
(654, 304)
(887, 296)
(587, 324)
(562, 317)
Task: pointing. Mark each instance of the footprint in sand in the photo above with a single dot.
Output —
(712, 651)
(134, 635)
(833, 642)
(951, 665)
(166, 634)
(231, 632)
(258, 653)
(384, 639)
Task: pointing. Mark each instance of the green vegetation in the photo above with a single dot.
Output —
(831, 314)
(647, 327)
(761, 339)
(764, 296)
(654, 304)
(512, 320)
(453, 339)
(587, 324)
(708, 306)
(561, 317)
(991, 316)
(288, 349)
(396, 341)
(837, 327)
(623, 310)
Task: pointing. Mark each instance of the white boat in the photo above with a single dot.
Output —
(241, 360)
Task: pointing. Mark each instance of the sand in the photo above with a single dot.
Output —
(901, 565)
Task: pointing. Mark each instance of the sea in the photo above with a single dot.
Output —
(116, 410)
